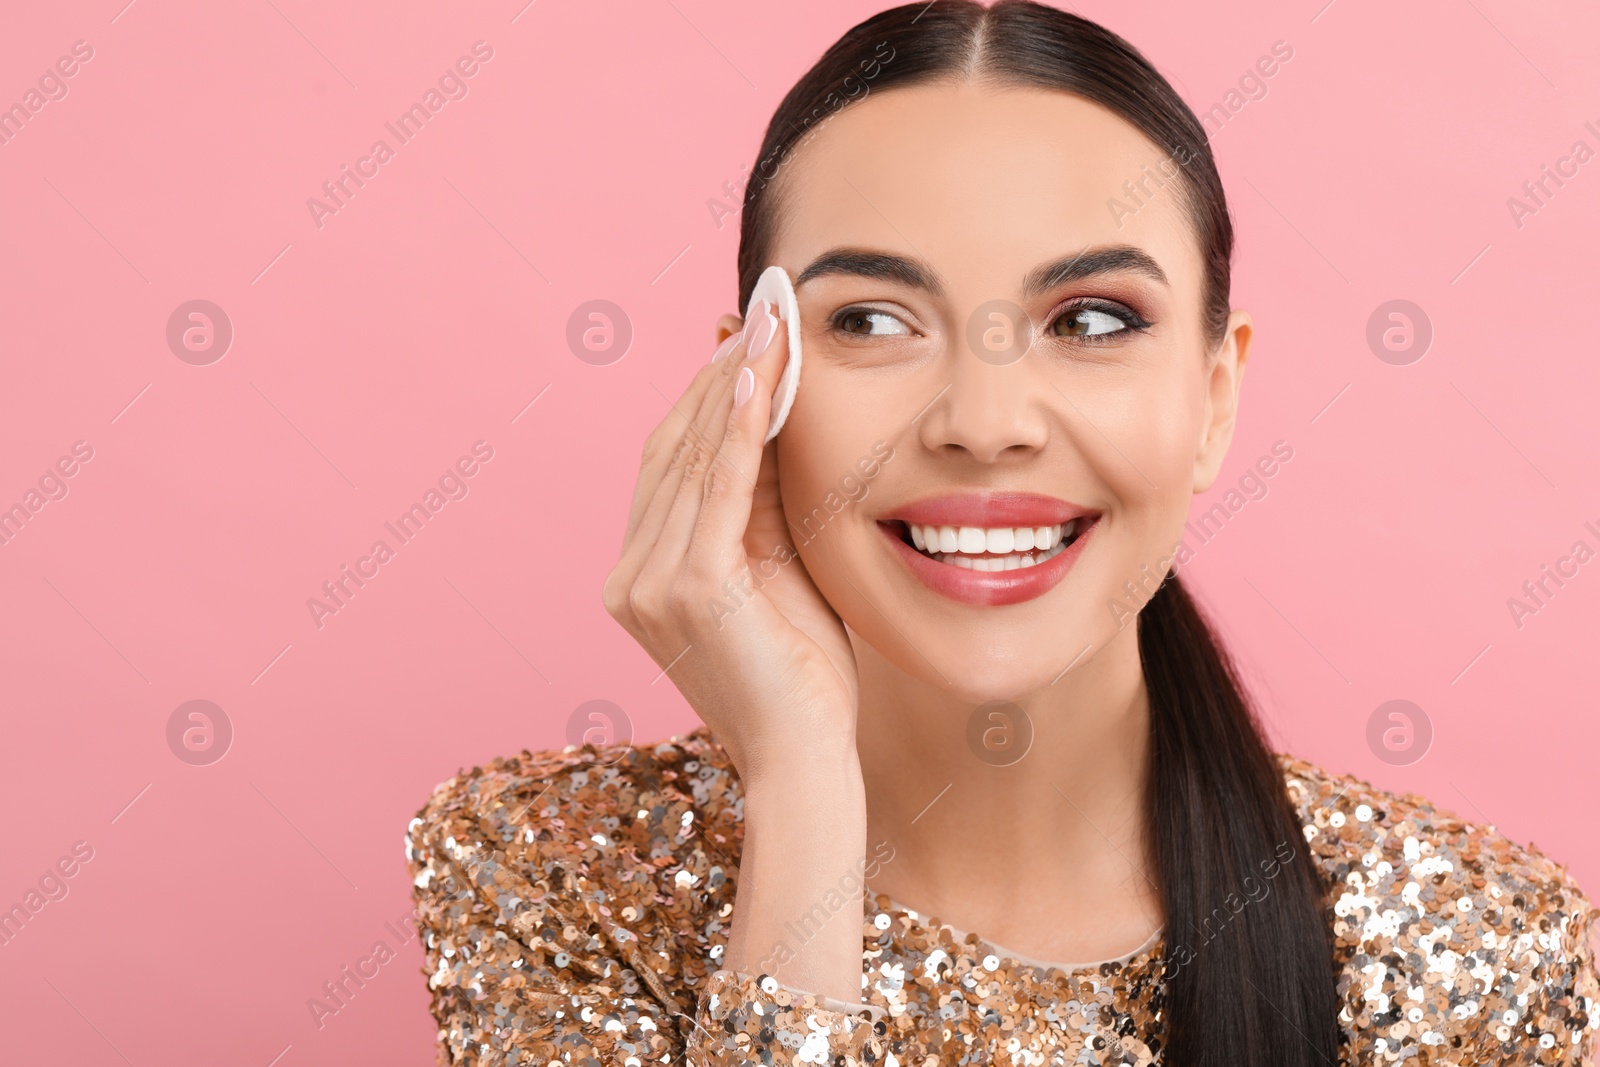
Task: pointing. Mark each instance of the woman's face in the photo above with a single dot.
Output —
(926, 228)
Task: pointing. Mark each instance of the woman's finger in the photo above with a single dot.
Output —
(624, 588)
(662, 444)
(737, 473)
(730, 458)
(659, 476)
(692, 448)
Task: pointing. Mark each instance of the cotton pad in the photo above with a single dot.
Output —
(774, 287)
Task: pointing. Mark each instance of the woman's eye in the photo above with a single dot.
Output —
(864, 322)
(1088, 322)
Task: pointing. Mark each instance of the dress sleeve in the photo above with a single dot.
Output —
(1566, 1010)
(516, 973)
(533, 957)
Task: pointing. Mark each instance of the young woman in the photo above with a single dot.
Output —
(977, 784)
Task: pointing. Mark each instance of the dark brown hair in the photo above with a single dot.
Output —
(1248, 980)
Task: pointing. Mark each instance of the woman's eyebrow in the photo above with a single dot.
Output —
(865, 263)
(912, 272)
(1103, 259)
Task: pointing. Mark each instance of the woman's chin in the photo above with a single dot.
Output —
(975, 678)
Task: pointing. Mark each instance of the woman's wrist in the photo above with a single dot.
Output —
(826, 767)
(799, 907)
(808, 781)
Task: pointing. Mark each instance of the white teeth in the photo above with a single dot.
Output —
(1011, 562)
(1003, 548)
(977, 540)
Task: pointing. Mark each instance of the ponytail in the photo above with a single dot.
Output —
(1249, 969)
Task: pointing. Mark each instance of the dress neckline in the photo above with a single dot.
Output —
(961, 935)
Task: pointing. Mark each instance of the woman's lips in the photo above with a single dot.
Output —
(992, 587)
(989, 510)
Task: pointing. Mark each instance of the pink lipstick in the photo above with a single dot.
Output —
(989, 548)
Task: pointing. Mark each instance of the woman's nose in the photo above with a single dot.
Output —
(989, 408)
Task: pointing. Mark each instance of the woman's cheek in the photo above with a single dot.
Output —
(800, 484)
(1123, 437)
(834, 424)
(1155, 425)
(821, 452)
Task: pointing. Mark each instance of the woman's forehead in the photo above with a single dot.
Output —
(978, 178)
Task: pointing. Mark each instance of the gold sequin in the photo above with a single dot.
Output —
(575, 905)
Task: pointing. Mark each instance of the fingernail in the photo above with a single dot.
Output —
(744, 388)
(760, 332)
(727, 345)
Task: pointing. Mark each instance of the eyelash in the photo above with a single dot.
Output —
(837, 322)
(1131, 320)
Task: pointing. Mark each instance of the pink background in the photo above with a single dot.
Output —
(427, 313)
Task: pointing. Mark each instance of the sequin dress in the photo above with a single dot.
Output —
(574, 906)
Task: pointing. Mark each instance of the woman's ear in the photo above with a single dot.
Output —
(727, 326)
(1225, 375)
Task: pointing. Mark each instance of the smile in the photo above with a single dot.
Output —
(989, 549)
(1006, 548)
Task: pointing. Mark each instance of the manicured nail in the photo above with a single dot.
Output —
(744, 388)
(727, 345)
(760, 332)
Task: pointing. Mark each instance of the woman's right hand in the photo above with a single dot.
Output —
(709, 582)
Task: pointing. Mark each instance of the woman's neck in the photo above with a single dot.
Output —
(1048, 854)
